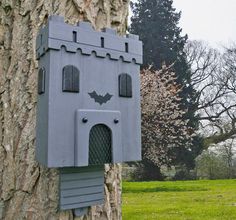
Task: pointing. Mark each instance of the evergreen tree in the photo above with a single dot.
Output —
(156, 22)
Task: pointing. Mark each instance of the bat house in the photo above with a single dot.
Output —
(88, 110)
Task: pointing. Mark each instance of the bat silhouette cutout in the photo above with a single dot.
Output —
(99, 98)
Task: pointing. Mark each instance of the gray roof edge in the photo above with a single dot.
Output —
(57, 33)
(87, 50)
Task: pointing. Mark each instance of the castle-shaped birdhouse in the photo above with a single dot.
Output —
(88, 102)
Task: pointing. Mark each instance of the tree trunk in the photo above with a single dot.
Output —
(27, 190)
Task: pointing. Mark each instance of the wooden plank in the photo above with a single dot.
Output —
(82, 191)
(81, 199)
(82, 204)
(79, 176)
(82, 183)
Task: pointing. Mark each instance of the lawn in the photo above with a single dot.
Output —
(180, 200)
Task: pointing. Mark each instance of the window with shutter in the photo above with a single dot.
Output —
(41, 81)
(70, 79)
(125, 85)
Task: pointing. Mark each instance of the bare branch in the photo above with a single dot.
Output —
(214, 78)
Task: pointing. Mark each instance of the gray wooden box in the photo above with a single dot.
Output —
(88, 110)
(88, 83)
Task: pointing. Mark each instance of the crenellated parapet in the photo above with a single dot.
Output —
(57, 34)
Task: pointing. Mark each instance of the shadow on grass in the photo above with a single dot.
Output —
(164, 189)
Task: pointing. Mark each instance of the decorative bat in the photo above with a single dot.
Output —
(99, 98)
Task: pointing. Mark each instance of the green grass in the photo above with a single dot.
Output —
(180, 200)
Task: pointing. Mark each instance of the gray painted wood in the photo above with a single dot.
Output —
(62, 133)
(81, 187)
(82, 204)
(82, 175)
(62, 138)
(81, 191)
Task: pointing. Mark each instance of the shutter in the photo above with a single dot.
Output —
(125, 85)
(81, 187)
(70, 79)
(41, 81)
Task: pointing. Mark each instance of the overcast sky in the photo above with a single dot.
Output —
(210, 20)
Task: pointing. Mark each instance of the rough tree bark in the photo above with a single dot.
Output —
(27, 190)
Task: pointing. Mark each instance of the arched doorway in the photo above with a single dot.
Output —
(100, 144)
